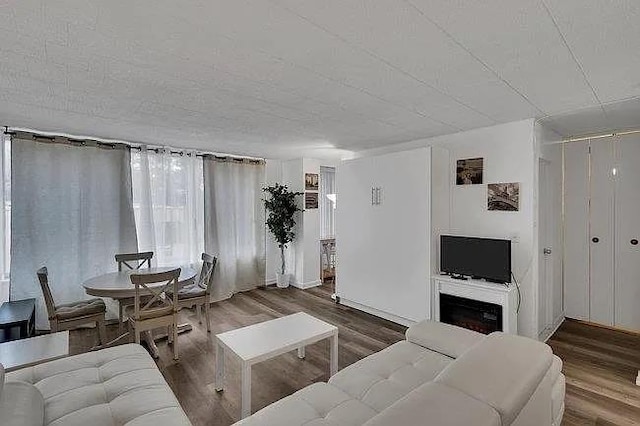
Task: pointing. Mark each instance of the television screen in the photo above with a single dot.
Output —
(476, 257)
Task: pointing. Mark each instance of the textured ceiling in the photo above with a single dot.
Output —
(290, 77)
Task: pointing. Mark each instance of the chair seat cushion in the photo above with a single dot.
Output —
(21, 404)
(191, 291)
(80, 309)
(155, 310)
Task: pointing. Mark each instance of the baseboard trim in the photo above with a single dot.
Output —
(556, 325)
(309, 284)
(270, 281)
(376, 312)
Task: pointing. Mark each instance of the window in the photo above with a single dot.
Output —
(327, 202)
(5, 225)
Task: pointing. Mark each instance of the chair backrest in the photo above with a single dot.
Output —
(140, 259)
(154, 300)
(43, 277)
(206, 273)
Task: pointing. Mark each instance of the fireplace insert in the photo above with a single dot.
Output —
(475, 315)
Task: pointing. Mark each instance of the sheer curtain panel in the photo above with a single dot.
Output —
(168, 199)
(71, 211)
(5, 220)
(234, 224)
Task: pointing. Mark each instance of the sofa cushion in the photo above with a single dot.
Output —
(119, 385)
(437, 405)
(319, 404)
(21, 404)
(381, 379)
(502, 371)
(447, 339)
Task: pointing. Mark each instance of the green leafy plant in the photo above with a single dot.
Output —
(281, 207)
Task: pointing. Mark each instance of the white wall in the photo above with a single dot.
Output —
(509, 156)
(303, 257)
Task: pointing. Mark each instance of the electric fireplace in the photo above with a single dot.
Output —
(475, 315)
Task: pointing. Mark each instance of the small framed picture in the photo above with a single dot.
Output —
(470, 171)
(311, 181)
(311, 200)
(503, 196)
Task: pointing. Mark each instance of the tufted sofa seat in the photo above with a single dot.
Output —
(115, 386)
(440, 375)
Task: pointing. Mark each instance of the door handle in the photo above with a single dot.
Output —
(634, 242)
(546, 251)
(595, 239)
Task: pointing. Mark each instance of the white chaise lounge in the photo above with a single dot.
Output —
(440, 375)
(116, 386)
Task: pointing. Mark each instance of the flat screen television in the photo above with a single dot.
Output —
(485, 258)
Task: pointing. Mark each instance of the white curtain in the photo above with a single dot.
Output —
(168, 191)
(71, 211)
(327, 202)
(5, 219)
(234, 224)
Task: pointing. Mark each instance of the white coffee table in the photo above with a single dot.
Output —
(266, 340)
(34, 350)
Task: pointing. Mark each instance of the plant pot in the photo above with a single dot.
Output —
(282, 280)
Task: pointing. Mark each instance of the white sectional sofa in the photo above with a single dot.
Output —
(116, 386)
(440, 375)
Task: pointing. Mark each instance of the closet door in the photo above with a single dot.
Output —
(576, 230)
(601, 232)
(627, 254)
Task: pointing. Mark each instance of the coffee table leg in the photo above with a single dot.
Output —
(333, 369)
(301, 352)
(246, 390)
(219, 367)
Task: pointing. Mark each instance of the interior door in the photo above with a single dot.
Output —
(627, 253)
(601, 232)
(576, 230)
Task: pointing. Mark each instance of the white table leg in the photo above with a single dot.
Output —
(219, 367)
(246, 390)
(638, 379)
(333, 369)
(301, 352)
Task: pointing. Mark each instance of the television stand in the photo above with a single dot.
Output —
(504, 296)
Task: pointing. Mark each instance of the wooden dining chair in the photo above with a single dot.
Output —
(125, 260)
(153, 307)
(69, 316)
(130, 261)
(199, 293)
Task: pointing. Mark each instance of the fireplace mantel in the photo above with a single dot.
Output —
(499, 294)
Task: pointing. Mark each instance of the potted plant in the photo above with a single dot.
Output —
(281, 208)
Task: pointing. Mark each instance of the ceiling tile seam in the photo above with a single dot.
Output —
(295, 66)
(387, 63)
(573, 56)
(474, 56)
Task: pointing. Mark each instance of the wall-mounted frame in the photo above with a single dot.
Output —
(503, 196)
(470, 171)
(311, 181)
(310, 200)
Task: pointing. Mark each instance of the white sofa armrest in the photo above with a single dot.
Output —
(502, 371)
(446, 339)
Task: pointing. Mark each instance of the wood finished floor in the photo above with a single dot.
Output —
(600, 364)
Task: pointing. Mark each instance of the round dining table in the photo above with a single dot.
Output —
(118, 286)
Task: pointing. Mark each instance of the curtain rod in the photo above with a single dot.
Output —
(106, 143)
(600, 136)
